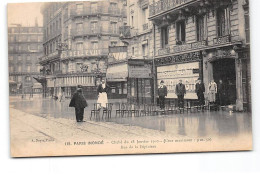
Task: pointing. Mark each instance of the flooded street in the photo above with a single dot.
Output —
(197, 124)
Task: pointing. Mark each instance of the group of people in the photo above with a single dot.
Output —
(79, 102)
(214, 91)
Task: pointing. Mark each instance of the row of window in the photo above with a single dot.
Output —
(95, 27)
(25, 30)
(93, 45)
(27, 68)
(52, 46)
(223, 28)
(25, 47)
(22, 57)
(20, 78)
(53, 28)
(25, 38)
(79, 67)
(144, 18)
(94, 6)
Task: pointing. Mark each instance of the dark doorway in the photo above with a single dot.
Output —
(224, 69)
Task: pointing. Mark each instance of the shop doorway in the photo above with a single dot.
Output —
(225, 70)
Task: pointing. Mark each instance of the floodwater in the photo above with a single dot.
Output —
(197, 124)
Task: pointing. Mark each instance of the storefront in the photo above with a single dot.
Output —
(226, 64)
(140, 81)
(186, 67)
(116, 77)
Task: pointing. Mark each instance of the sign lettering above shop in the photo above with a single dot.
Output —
(188, 57)
(182, 48)
(81, 53)
(222, 40)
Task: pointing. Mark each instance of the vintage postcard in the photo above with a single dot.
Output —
(129, 77)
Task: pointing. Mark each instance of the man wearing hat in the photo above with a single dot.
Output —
(200, 90)
(79, 102)
(162, 93)
(180, 91)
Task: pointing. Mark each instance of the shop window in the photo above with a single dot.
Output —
(132, 89)
(125, 88)
(201, 27)
(223, 21)
(119, 87)
(181, 32)
(113, 90)
(164, 36)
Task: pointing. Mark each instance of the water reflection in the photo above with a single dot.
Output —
(199, 124)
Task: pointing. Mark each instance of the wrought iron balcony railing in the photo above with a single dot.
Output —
(165, 5)
(88, 11)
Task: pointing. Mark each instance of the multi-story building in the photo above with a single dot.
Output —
(86, 29)
(24, 49)
(132, 72)
(207, 39)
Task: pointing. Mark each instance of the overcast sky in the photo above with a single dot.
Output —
(24, 13)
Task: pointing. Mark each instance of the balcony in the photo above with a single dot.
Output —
(165, 5)
(100, 10)
(84, 53)
(86, 32)
(49, 57)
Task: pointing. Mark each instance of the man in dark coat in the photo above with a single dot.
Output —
(162, 93)
(180, 91)
(79, 102)
(200, 90)
(221, 93)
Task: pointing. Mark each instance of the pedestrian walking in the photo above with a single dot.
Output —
(212, 91)
(162, 93)
(200, 90)
(79, 102)
(180, 91)
(102, 91)
(221, 93)
(61, 96)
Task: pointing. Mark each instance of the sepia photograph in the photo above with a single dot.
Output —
(108, 77)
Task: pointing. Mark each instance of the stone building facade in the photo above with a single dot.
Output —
(77, 36)
(24, 49)
(203, 39)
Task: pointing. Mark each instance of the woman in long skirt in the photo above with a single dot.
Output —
(212, 91)
(102, 94)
